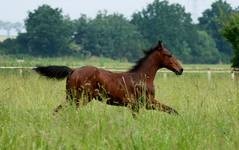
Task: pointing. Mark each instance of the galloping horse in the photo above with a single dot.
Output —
(120, 89)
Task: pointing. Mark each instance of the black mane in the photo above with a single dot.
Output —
(141, 61)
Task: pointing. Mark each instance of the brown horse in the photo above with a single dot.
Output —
(120, 89)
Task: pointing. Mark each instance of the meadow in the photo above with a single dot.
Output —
(209, 116)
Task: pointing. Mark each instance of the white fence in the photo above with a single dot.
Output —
(165, 72)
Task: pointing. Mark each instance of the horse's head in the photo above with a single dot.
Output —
(168, 60)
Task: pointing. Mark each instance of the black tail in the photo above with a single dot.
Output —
(57, 72)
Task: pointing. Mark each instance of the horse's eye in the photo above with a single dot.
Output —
(168, 55)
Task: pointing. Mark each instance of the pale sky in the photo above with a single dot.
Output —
(16, 10)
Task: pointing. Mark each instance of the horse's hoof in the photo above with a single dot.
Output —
(173, 112)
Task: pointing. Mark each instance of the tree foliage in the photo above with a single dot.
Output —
(212, 22)
(109, 35)
(206, 49)
(169, 22)
(231, 33)
(48, 32)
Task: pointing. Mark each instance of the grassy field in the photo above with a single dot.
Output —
(209, 116)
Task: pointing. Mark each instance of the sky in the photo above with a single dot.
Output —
(16, 10)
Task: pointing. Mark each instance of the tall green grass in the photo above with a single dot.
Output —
(209, 116)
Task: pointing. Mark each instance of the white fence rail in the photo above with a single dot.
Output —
(165, 72)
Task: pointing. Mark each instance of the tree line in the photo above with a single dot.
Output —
(50, 33)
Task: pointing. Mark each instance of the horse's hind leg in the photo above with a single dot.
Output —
(59, 107)
(155, 105)
(79, 97)
(75, 97)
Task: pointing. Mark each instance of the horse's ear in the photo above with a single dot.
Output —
(160, 44)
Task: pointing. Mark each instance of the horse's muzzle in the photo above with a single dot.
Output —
(179, 72)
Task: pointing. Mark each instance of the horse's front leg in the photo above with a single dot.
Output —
(156, 105)
(125, 103)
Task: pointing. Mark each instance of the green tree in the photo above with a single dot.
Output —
(212, 22)
(81, 27)
(48, 32)
(170, 23)
(206, 49)
(15, 46)
(231, 33)
(110, 36)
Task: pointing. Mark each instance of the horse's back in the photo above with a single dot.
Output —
(88, 71)
(87, 75)
(84, 71)
(82, 74)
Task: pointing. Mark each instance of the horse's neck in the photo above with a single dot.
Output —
(149, 67)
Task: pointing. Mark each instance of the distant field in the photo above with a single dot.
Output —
(209, 116)
(68, 61)
(2, 38)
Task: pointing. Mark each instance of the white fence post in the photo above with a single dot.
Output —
(209, 75)
(20, 71)
(233, 75)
